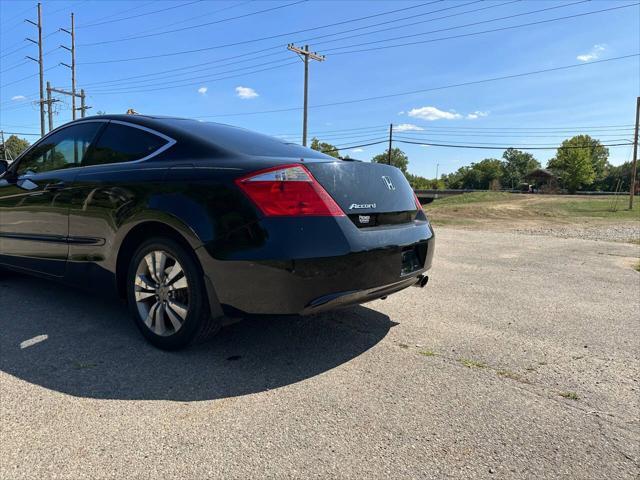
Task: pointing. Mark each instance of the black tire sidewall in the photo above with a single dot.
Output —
(198, 305)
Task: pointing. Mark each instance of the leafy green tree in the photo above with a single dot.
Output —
(421, 183)
(490, 173)
(616, 177)
(516, 165)
(483, 175)
(579, 161)
(324, 147)
(14, 145)
(399, 159)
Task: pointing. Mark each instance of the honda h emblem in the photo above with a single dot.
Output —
(388, 182)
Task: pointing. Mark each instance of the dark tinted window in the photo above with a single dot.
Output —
(120, 143)
(239, 140)
(64, 149)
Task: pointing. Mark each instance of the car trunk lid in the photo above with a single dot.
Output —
(371, 194)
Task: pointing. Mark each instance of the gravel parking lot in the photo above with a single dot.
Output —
(521, 359)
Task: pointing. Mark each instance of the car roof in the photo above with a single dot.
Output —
(143, 119)
(212, 137)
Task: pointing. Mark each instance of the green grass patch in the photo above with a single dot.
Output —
(469, 208)
(589, 207)
(428, 353)
(569, 395)
(474, 197)
(472, 363)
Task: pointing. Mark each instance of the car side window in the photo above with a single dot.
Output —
(121, 143)
(64, 149)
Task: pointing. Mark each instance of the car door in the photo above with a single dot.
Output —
(35, 197)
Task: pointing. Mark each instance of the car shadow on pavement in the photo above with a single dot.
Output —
(75, 343)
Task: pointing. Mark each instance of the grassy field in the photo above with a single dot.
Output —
(509, 208)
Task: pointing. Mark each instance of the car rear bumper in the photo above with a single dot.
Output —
(366, 265)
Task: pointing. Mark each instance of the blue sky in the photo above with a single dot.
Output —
(229, 83)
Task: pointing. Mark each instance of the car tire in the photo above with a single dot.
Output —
(167, 296)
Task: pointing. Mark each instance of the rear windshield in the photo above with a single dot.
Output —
(239, 140)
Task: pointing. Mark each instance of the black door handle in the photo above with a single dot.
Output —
(51, 187)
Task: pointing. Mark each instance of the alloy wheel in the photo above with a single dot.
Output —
(161, 293)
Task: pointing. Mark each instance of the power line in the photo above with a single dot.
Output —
(510, 134)
(142, 89)
(155, 74)
(183, 52)
(27, 77)
(198, 17)
(564, 128)
(484, 147)
(277, 47)
(382, 47)
(144, 14)
(19, 64)
(434, 142)
(473, 128)
(355, 146)
(201, 78)
(118, 92)
(182, 29)
(261, 51)
(115, 14)
(17, 15)
(432, 89)
(25, 45)
(507, 17)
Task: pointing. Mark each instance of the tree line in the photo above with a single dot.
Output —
(580, 163)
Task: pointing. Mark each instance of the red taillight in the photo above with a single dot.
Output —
(418, 204)
(289, 190)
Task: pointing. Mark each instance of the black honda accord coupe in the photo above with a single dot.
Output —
(196, 223)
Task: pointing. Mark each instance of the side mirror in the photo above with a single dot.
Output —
(4, 166)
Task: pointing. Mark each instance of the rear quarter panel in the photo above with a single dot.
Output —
(109, 201)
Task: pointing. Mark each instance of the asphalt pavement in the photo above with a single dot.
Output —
(521, 359)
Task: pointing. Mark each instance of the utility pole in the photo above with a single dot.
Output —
(634, 162)
(49, 108)
(437, 165)
(82, 96)
(40, 62)
(83, 106)
(390, 142)
(305, 55)
(4, 146)
(72, 67)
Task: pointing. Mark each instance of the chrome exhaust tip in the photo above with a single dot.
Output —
(421, 281)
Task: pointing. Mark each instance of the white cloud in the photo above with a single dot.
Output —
(477, 114)
(432, 113)
(401, 112)
(357, 150)
(18, 98)
(425, 146)
(246, 93)
(202, 90)
(593, 54)
(407, 127)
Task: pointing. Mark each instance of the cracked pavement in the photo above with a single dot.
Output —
(521, 359)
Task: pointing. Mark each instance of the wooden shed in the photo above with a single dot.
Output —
(542, 180)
